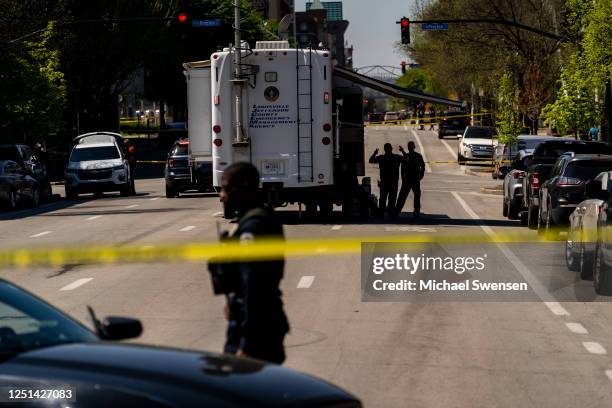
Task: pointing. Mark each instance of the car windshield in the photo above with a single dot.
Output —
(528, 143)
(587, 169)
(9, 153)
(480, 133)
(28, 323)
(180, 150)
(94, 153)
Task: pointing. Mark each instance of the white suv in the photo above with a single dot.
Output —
(97, 166)
(477, 143)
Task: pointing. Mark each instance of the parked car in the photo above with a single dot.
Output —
(180, 177)
(504, 153)
(391, 117)
(581, 240)
(30, 164)
(98, 163)
(453, 124)
(43, 347)
(16, 186)
(513, 185)
(376, 117)
(544, 157)
(565, 188)
(477, 143)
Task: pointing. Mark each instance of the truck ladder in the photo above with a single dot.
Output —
(304, 115)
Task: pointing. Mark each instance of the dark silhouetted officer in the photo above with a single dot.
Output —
(389, 164)
(413, 170)
(257, 323)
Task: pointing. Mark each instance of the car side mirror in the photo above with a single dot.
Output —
(115, 327)
(120, 328)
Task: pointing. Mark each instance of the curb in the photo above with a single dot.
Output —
(496, 191)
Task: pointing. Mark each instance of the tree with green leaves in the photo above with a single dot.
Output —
(418, 80)
(509, 122)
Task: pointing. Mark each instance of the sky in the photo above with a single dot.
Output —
(372, 29)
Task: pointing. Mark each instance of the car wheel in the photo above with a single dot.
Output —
(532, 217)
(552, 232)
(505, 209)
(228, 212)
(513, 211)
(132, 187)
(35, 202)
(125, 190)
(171, 192)
(47, 193)
(326, 207)
(71, 194)
(460, 159)
(601, 276)
(440, 136)
(586, 263)
(570, 257)
(11, 204)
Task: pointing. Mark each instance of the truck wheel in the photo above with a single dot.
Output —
(326, 207)
(571, 261)
(71, 193)
(532, 215)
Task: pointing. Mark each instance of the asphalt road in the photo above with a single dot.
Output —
(548, 352)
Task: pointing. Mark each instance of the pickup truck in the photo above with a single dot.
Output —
(540, 166)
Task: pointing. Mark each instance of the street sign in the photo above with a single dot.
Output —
(434, 26)
(215, 22)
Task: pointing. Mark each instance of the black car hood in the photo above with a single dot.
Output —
(168, 375)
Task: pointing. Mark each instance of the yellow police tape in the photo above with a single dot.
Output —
(423, 121)
(235, 251)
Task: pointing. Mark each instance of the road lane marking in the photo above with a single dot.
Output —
(594, 348)
(409, 229)
(218, 214)
(529, 277)
(336, 227)
(95, 217)
(305, 282)
(147, 247)
(40, 234)
(187, 228)
(154, 198)
(576, 328)
(449, 148)
(132, 206)
(418, 140)
(76, 284)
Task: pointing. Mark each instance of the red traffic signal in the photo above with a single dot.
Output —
(405, 27)
(182, 17)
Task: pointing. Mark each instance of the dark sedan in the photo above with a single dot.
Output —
(182, 176)
(42, 348)
(17, 187)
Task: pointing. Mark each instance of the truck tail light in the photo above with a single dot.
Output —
(217, 129)
(216, 100)
(569, 181)
(218, 142)
(534, 180)
(326, 140)
(326, 97)
(327, 127)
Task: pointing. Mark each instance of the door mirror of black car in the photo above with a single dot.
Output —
(120, 328)
(114, 327)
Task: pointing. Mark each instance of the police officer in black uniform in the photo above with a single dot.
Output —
(389, 164)
(257, 323)
(413, 170)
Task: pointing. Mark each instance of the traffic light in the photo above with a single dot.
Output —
(403, 64)
(405, 28)
(182, 17)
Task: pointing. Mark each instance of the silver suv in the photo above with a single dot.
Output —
(98, 163)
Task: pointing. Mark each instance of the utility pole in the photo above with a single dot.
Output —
(238, 81)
